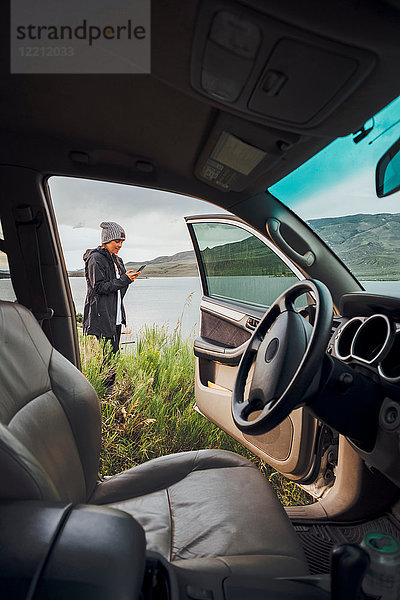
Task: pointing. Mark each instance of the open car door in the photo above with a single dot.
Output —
(241, 275)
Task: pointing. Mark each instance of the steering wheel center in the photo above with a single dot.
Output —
(271, 350)
(286, 351)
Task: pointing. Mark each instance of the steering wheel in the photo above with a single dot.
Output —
(288, 354)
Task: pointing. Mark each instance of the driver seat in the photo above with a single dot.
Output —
(203, 506)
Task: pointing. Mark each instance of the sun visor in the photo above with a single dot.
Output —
(271, 70)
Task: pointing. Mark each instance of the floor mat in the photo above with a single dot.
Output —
(318, 540)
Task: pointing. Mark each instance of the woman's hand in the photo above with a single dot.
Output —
(133, 274)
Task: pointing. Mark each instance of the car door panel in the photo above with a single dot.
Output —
(226, 326)
(224, 333)
(287, 448)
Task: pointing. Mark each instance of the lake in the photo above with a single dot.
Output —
(161, 300)
(169, 300)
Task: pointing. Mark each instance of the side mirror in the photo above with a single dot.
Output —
(387, 177)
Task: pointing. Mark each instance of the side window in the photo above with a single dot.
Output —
(6, 288)
(238, 266)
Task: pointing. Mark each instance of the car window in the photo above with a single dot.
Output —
(6, 288)
(240, 267)
(168, 290)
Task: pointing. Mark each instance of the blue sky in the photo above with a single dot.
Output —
(340, 180)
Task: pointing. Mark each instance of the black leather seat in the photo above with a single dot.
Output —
(208, 505)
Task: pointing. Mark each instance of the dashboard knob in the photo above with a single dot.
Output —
(344, 381)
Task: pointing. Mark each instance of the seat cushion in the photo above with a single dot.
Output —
(209, 503)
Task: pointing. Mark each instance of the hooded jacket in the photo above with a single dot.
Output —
(100, 312)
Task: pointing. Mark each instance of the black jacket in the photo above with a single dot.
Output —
(100, 312)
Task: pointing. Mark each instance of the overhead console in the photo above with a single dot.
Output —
(236, 153)
(269, 70)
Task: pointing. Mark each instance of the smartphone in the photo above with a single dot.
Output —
(141, 268)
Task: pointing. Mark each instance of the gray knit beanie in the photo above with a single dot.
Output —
(111, 231)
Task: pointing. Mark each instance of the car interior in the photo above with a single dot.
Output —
(240, 95)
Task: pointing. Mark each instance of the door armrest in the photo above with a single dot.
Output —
(213, 350)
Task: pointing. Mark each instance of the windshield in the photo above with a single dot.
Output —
(335, 193)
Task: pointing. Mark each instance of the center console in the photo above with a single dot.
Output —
(86, 552)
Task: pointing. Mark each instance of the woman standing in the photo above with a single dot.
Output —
(107, 282)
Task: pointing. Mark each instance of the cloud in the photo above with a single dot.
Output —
(153, 220)
(350, 196)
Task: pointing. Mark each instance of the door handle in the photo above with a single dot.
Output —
(273, 227)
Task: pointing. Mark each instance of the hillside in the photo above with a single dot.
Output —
(368, 244)
(228, 259)
(182, 264)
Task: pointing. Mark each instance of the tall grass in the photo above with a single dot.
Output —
(150, 411)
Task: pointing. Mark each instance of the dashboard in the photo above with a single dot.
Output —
(366, 337)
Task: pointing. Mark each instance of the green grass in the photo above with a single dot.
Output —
(150, 412)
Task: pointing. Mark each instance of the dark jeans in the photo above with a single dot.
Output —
(114, 342)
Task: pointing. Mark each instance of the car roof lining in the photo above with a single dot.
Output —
(119, 119)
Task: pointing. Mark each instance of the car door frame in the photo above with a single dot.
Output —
(298, 459)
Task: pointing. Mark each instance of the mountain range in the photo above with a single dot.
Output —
(368, 244)
(181, 264)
